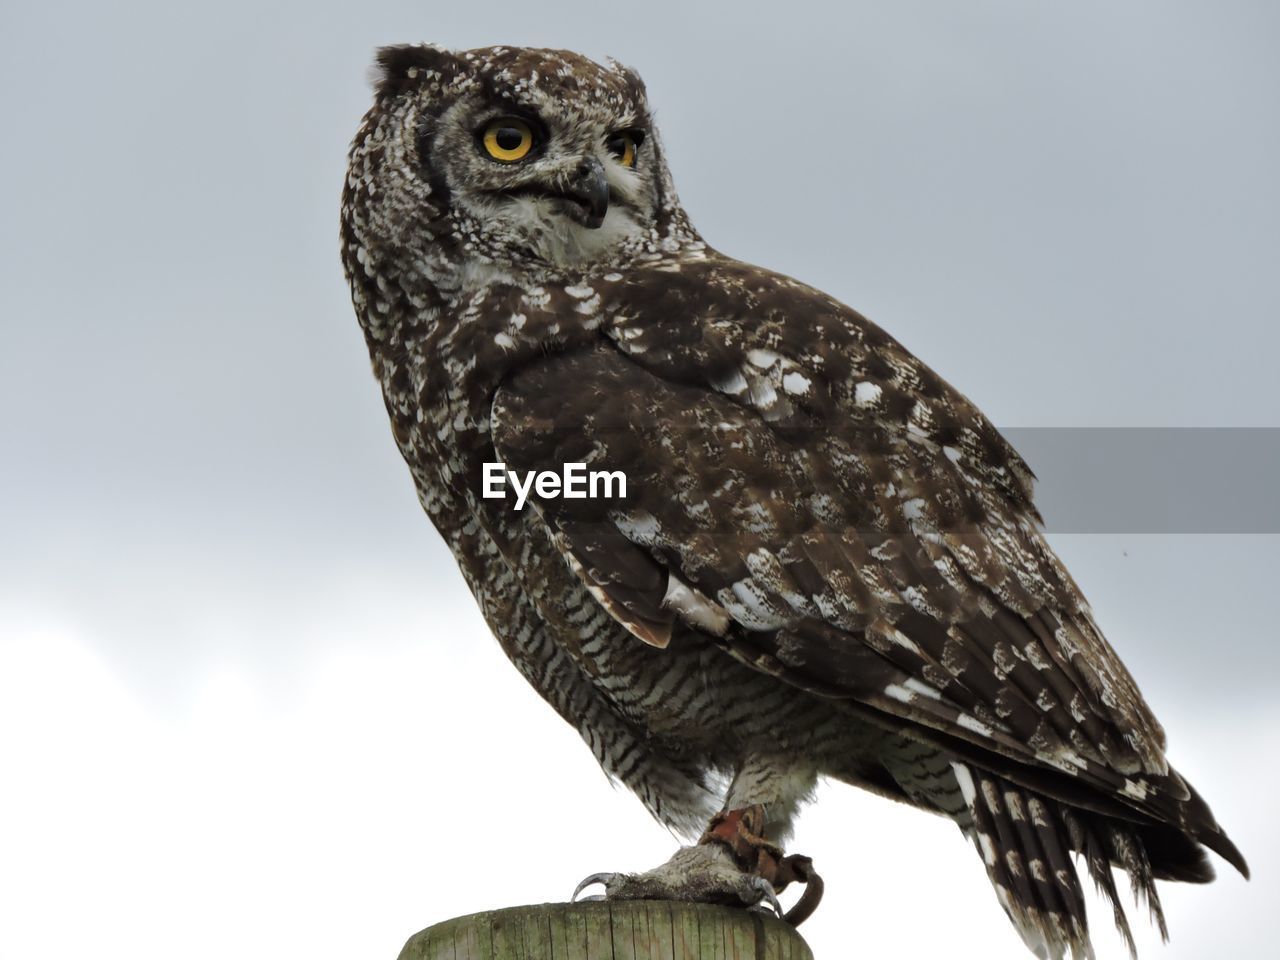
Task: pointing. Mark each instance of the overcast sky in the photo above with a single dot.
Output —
(246, 704)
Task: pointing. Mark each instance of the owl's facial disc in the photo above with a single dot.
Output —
(541, 181)
(571, 177)
(582, 197)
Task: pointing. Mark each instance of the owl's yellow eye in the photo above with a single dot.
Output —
(624, 145)
(508, 139)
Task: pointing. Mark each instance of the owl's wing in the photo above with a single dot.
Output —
(784, 497)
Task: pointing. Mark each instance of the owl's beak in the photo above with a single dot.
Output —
(588, 193)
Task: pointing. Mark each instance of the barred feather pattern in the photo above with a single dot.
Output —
(828, 563)
(1021, 845)
(1031, 846)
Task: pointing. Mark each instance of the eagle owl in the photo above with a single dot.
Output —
(827, 562)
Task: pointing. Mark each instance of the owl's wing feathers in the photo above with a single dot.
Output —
(803, 488)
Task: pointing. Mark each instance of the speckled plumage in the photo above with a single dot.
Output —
(828, 562)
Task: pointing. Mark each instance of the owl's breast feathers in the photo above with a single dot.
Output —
(810, 496)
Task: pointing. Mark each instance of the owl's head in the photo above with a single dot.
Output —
(513, 158)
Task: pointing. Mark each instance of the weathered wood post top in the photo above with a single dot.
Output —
(624, 930)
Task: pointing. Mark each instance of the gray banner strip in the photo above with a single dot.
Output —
(1154, 480)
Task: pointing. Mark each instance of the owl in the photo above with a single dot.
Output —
(824, 560)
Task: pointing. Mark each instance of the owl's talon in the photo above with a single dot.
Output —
(604, 879)
(767, 895)
(706, 873)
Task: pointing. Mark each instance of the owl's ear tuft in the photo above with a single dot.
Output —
(631, 74)
(401, 66)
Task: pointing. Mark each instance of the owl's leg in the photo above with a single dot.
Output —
(734, 862)
(764, 797)
(776, 784)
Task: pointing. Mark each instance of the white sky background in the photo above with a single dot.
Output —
(246, 704)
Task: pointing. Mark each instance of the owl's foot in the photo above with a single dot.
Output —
(702, 874)
(733, 863)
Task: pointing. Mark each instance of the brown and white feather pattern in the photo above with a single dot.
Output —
(828, 562)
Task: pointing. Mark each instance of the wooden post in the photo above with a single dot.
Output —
(624, 930)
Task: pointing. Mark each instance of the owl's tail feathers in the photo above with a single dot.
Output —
(1026, 842)
(1025, 846)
